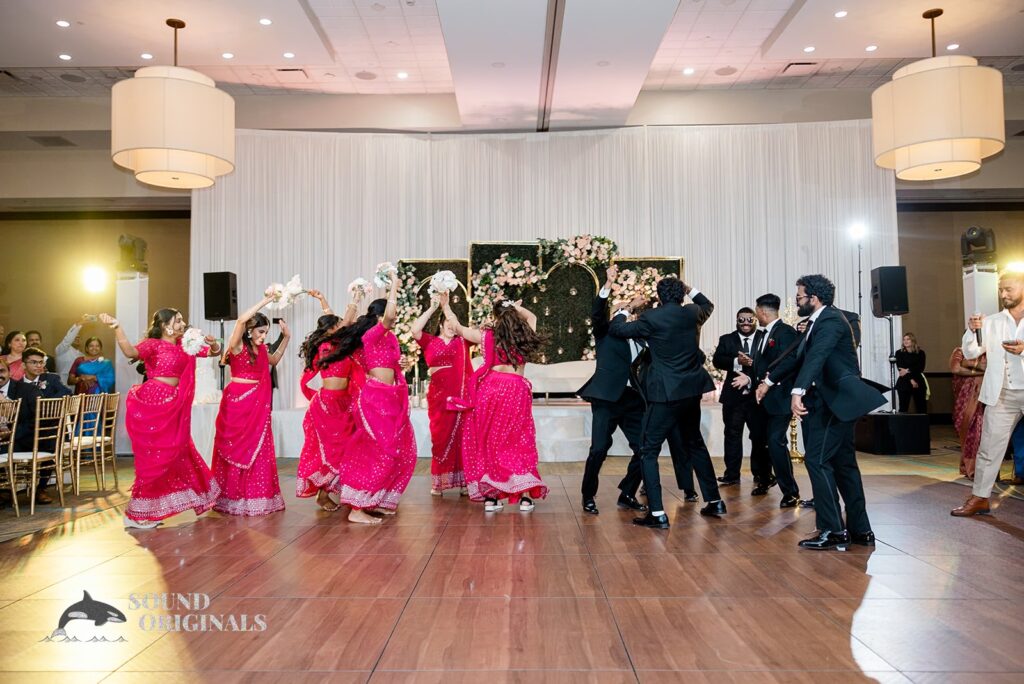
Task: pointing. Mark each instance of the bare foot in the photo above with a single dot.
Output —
(363, 518)
(324, 501)
(384, 511)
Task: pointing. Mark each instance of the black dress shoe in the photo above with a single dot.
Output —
(825, 541)
(762, 487)
(630, 502)
(655, 521)
(806, 503)
(863, 538)
(690, 497)
(728, 481)
(590, 507)
(715, 509)
(791, 501)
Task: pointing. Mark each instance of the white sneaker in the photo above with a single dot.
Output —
(140, 524)
(493, 505)
(525, 505)
(435, 492)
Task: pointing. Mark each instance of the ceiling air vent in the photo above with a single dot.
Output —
(800, 68)
(51, 141)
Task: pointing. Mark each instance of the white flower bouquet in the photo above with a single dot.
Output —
(360, 284)
(383, 274)
(443, 281)
(193, 341)
(284, 295)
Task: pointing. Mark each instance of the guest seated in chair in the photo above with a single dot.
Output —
(34, 338)
(48, 384)
(24, 431)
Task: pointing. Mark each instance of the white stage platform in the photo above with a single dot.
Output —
(563, 431)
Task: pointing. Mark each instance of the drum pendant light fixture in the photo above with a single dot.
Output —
(171, 126)
(938, 117)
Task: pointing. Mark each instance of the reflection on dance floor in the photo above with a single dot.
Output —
(446, 593)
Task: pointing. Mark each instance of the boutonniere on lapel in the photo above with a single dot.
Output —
(771, 343)
(42, 384)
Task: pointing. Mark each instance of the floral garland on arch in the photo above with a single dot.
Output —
(408, 311)
(503, 278)
(595, 251)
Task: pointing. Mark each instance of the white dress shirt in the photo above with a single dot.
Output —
(810, 321)
(764, 338)
(5, 389)
(1004, 370)
(65, 355)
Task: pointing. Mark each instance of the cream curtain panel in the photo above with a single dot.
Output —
(750, 208)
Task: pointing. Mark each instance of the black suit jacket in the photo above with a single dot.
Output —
(780, 338)
(613, 358)
(25, 429)
(672, 334)
(729, 347)
(827, 360)
(54, 388)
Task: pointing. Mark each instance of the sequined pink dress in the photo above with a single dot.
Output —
(449, 379)
(381, 456)
(500, 440)
(244, 462)
(328, 425)
(170, 475)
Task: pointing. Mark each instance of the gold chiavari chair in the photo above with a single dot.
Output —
(88, 438)
(108, 442)
(49, 445)
(72, 419)
(8, 422)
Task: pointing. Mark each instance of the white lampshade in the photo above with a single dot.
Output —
(172, 127)
(938, 118)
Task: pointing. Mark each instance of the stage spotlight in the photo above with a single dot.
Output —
(1015, 267)
(94, 279)
(978, 245)
(858, 231)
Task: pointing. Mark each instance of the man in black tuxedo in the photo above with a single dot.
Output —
(829, 396)
(773, 400)
(48, 384)
(24, 431)
(673, 387)
(735, 355)
(615, 402)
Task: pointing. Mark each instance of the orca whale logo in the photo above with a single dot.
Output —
(87, 609)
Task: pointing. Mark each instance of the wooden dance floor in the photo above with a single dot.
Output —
(445, 593)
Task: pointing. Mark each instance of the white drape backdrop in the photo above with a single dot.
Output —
(750, 208)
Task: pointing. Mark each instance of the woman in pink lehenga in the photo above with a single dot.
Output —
(500, 440)
(328, 424)
(170, 475)
(968, 412)
(244, 462)
(447, 357)
(381, 455)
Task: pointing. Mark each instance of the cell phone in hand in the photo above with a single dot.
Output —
(275, 321)
(92, 318)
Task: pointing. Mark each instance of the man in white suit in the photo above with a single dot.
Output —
(1002, 389)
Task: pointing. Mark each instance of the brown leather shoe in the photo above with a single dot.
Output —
(1017, 481)
(975, 505)
(43, 498)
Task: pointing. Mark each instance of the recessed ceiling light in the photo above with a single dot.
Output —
(146, 55)
(65, 57)
(688, 71)
(953, 46)
(870, 48)
(603, 63)
(498, 65)
(266, 22)
(809, 48)
(63, 23)
(289, 55)
(840, 14)
(402, 75)
(228, 55)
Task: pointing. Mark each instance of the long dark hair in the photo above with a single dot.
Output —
(514, 336)
(257, 321)
(351, 338)
(160, 319)
(311, 345)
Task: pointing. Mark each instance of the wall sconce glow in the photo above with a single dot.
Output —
(94, 279)
(858, 231)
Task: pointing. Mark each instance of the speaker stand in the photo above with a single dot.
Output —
(222, 350)
(892, 363)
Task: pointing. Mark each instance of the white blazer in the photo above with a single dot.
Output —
(994, 329)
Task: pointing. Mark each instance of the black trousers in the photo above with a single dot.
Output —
(831, 463)
(736, 416)
(626, 414)
(777, 435)
(660, 420)
(905, 391)
(682, 463)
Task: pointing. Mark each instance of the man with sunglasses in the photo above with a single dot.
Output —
(735, 355)
(829, 396)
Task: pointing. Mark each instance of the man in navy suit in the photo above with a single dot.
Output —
(673, 386)
(24, 431)
(48, 384)
(829, 396)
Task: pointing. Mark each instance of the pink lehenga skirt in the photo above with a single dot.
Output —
(381, 456)
(170, 475)
(328, 426)
(446, 428)
(500, 440)
(244, 462)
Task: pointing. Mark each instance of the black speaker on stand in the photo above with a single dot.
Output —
(220, 302)
(891, 433)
